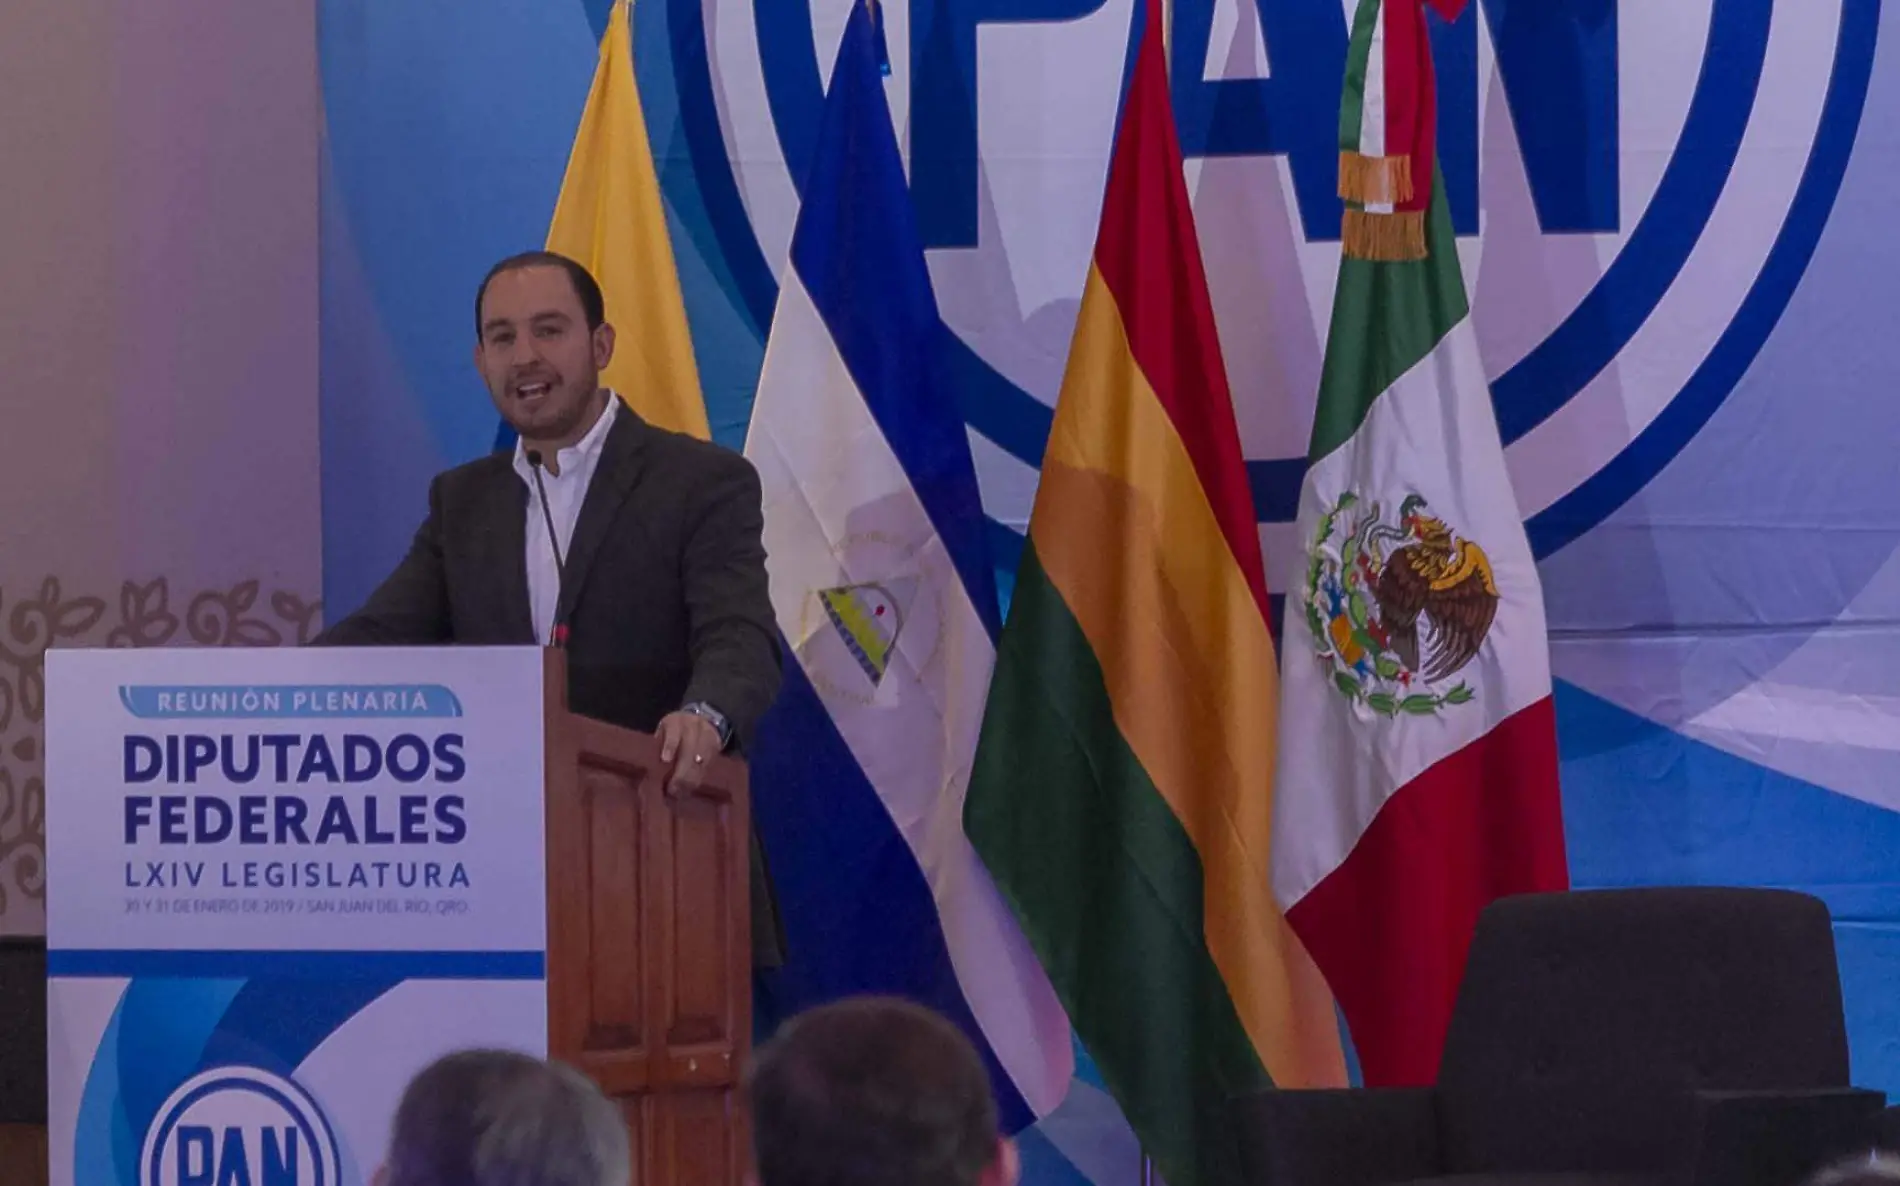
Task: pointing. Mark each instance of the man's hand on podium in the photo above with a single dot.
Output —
(688, 741)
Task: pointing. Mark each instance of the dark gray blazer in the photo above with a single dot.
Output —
(664, 592)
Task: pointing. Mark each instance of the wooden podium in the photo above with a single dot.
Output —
(649, 940)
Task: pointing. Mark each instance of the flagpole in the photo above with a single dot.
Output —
(1167, 55)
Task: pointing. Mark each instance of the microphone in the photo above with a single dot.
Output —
(558, 634)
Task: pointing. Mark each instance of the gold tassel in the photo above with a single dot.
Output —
(1375, 180)
(1390, 237)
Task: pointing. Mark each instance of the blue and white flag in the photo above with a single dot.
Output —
(885, 595)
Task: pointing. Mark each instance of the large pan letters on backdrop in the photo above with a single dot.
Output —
(943, 104)
(1557, 60)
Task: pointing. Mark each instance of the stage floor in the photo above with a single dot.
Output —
(22, 1155)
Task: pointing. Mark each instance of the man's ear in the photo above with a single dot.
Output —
(603, 346)
(1006, 1168)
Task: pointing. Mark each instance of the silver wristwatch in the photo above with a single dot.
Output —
(715, 718)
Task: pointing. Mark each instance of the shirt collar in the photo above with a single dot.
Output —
(588, 447)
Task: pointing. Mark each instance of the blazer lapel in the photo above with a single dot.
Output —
(613, 481)
(508, 539)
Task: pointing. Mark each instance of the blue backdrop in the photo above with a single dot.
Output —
(1676, 222)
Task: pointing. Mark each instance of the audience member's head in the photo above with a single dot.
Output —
(875, 1092)
(492, 1118)
(1870, 1169)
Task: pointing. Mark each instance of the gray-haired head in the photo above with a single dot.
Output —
(495, 1118)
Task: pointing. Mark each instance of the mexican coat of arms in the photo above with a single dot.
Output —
(1397, 608)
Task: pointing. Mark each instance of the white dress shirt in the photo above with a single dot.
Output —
(566, 491)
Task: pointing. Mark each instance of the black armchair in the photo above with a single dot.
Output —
(1657, 1037)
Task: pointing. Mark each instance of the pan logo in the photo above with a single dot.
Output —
(239, 1125)
(1638, 189)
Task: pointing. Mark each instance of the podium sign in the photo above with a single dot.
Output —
(280, 882)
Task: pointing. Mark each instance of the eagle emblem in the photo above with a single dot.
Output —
(1397, 609)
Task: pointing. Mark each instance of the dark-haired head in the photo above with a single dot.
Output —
(541, 343)
(586, 288)
(875, 1092)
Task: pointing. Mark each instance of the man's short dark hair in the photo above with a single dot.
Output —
(585, 286)
(871, 1092)
(496, 1118)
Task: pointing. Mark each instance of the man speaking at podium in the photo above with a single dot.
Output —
(638, 550)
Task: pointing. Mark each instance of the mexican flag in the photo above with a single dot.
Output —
(1418, 752)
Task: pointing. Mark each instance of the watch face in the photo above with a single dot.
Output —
(712, 715)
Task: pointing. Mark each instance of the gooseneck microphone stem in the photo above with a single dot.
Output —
(557, 635)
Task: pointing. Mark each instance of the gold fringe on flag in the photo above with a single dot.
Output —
(1375, 180)
(1390, 237)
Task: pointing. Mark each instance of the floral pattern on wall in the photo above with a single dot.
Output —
(142, 615)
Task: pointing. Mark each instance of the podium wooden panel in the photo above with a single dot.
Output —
(649, 940)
